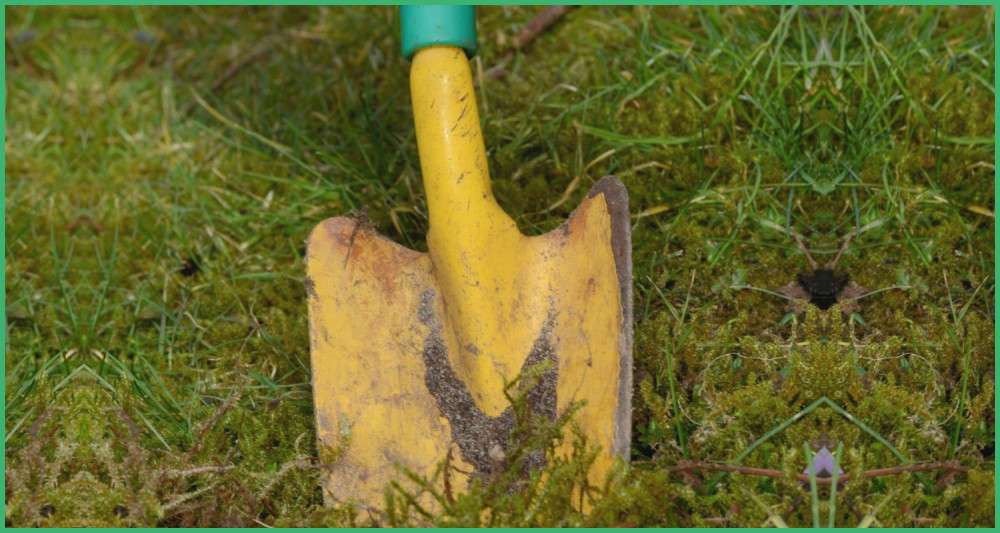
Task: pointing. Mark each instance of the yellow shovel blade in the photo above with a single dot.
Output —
(396, 385)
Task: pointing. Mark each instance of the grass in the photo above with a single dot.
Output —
(164, 166)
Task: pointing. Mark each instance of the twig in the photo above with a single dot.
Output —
(210, 423)
(239, 65)
(951, 466)
(302, 462)
(231, 72)
(541, 22)
(208, 469)
(185, 497)
(685, 468)
(798, 240)
(843, 248)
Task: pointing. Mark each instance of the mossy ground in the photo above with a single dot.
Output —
(164, 166)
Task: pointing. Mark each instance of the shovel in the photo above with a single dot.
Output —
(411, 351)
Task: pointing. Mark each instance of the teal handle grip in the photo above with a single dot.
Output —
(424, 26)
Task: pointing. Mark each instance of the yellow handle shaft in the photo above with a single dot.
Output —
(450, 141)
(485, 268)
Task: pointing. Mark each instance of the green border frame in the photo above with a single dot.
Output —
(3, 262)
(3, 137)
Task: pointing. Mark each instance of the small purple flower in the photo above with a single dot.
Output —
(823, 464)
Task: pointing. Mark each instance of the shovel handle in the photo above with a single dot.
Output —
(464, 216)
(431, 25)
(476, 249)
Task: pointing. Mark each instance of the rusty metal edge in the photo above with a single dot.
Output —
(616, 198)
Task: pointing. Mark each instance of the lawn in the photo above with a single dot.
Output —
(164, 167)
